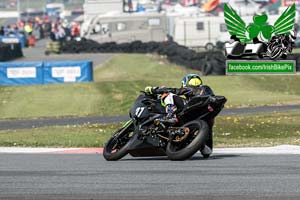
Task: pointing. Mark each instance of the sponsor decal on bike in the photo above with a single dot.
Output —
(139, 111)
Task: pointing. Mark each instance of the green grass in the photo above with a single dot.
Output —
(240, 131)
(59, 136)
(140, 67)
(297, 50)
(258, 130)
(119, 81)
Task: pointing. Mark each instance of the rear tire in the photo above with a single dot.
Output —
(209, 141)
(192, 144)
(117, 146)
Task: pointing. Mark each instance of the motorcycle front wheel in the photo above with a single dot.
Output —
(198, 134)
(117, 146)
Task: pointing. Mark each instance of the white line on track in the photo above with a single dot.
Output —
(21, 150)
(282, 149)
(32, 150)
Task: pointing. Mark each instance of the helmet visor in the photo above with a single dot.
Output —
(195, 82)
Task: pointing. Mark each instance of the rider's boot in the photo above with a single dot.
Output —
(171, 116)
(206, 151)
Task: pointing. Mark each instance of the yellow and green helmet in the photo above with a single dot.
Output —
(191, 80)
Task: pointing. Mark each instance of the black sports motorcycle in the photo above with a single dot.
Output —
(146, 135)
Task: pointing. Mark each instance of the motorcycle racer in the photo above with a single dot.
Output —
(174, 99)
(146, 135)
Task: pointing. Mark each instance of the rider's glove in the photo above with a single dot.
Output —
(149, 90)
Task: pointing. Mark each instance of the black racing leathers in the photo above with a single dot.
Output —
(187, 92)
(184, 94)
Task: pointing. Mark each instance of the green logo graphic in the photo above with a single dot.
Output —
(260, 27)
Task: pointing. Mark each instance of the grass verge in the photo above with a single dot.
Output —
(258, 130)
(240, 131)
(94, 135)
(119, 81)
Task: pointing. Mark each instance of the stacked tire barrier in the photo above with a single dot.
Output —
(52, 47)
(209, 63)
(10, 51)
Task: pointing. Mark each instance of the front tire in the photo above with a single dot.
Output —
(198, 135)
(117, 146)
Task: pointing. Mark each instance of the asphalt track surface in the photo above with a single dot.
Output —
(36, 123)
(222, 177)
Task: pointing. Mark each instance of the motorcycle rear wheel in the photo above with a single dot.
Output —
(198, 135)
(117, 146)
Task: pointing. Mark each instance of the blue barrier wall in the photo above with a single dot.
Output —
(32, 73)
(21, 73)
(63, 72)
(13, 39)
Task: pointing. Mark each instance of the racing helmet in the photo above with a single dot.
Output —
(191, 80)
